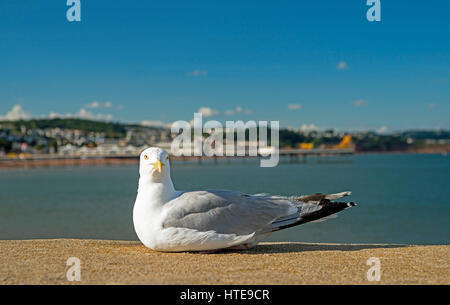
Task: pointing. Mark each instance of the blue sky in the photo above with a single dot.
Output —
(304, 63)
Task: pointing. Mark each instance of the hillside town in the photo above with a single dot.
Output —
(75, 137)
(16, 139)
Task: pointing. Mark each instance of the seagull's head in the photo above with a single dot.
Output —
(154, 164)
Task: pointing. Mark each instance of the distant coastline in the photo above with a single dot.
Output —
(111, 161)
(66, 137)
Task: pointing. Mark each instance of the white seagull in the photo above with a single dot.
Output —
(173, 221)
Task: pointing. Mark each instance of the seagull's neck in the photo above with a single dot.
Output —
(156, 192)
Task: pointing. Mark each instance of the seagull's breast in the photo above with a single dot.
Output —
(147, 222)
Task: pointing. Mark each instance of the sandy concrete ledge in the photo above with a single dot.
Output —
(123, 262)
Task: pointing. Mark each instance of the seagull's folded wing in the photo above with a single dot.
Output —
(225, 212)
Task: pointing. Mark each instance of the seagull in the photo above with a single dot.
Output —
(170, 220)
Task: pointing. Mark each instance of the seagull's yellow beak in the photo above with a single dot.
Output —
(157, 166)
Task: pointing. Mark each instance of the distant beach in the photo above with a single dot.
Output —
(96, 161)
(89, 161)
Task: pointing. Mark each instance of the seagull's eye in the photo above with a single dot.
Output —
(145, 157)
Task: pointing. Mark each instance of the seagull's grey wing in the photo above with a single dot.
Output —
(226, 212)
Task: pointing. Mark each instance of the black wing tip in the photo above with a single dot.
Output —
(329, 208)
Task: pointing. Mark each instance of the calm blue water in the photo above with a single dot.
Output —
(402, 198)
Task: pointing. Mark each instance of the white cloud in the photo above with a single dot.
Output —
(207, 111)
(55, 115)
(96, 104)
(295, 106)
(238, 110)
(86, 114)
(342, 65)
(198, 73)
(382, 129)
(155, 123)
(82, 114)
(308, 128)
(16, 113)
(360, 103)
(432, 106)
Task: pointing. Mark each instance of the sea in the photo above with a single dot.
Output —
(401, 198)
